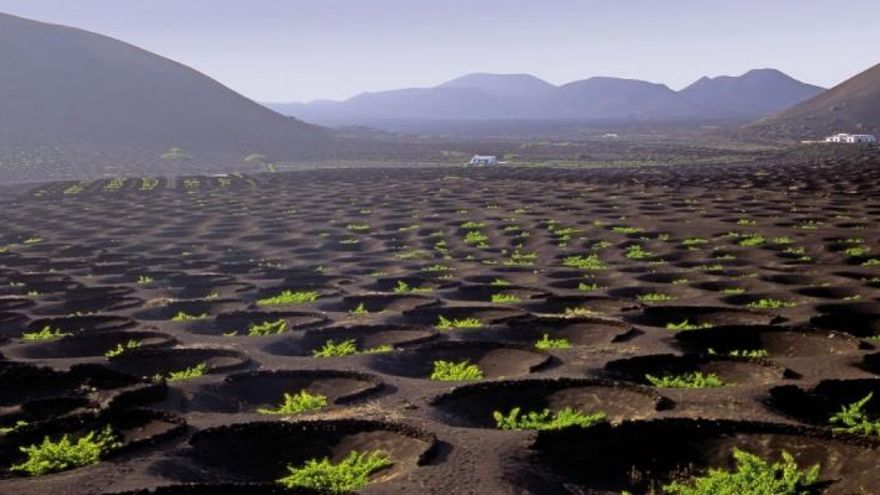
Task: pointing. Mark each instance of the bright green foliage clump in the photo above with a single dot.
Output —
(183, 316)
(290, 297)
(47, 333)
(332, 349)
(404, 288)
(547, 343)
(505, 298)
(589, 262)
(64, 454)
(636, 252)
(687, 325)
(654, 297)
(694, 379)
(448, 371)
(753, 476)
(447, 324)
(360, 310)
(852, 419)
(185, 374)
(298, 403)
(121, 348)
(546, 420)
(771, 304)
(267, 328)
(350, 474)
(749, 353)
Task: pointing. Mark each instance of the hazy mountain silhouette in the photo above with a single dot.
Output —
(61, 84)
(523, 96)
(753, 95)
(851, 106)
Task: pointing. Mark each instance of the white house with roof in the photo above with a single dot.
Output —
(843, 137)
(483, 161)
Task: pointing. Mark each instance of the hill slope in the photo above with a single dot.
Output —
(851, 106)
(65, 85)
(753, 95)
(521, 96)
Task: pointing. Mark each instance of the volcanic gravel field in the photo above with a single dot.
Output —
(765, 275)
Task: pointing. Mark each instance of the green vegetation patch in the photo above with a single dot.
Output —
(852, 419)
(63, 454)
(289, 297)
(695, 379)
(298, 403)
(448, 371)
(352, 473)
(546, 420)
(752, 476)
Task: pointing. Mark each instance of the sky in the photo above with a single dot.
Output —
(301, 50)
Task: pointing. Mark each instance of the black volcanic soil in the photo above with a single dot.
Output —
(782, 258)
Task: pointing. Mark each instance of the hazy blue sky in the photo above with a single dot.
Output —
(294, 50)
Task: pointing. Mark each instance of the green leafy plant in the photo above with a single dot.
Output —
(637, 252)
(360, 310)
(769, 303)
(298, 403)
(577, 312)
(47, 333)
(144, 280)
(546, 343)
(267, 328)
(333, 349)
(121, 348)
(288, 297)
(499, 282)
(448, 371)
(852, 418)
(183, 316)
(404, 288)
(63, 454)
(687, 325)
(350, 474)
(505, 298)
(184, 374)
(752, 476)
(463, 323)
(694, 379)
(589, 262)
(749, 353)
(546, 420)
(654, 297)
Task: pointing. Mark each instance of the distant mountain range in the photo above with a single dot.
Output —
(851, 106)
(65, 85)
(753, 95)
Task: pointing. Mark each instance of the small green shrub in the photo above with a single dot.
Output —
(546, 420)
(332, 349)
(637, 252)
(752, 476)
(463, 323)
(770, 303)
(404, 288)
(654, 297)
(122, 348)
(185, 374)
(183, 316)
(589, 262)
(505, 298)
(360, 310)
(289, 297)
(546, 343)
(298, 403)
(694, 379)
(448, 371)
(350, 474)
(749, 353)
(853, 419)
(267, 328)
(687, 325)
(47, 333)
(63, 454)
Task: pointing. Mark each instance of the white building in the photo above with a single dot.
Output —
(483, 160)
(843, 137)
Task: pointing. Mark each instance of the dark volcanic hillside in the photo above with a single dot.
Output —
(753, 95)
(65, 85)
(852, 106)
